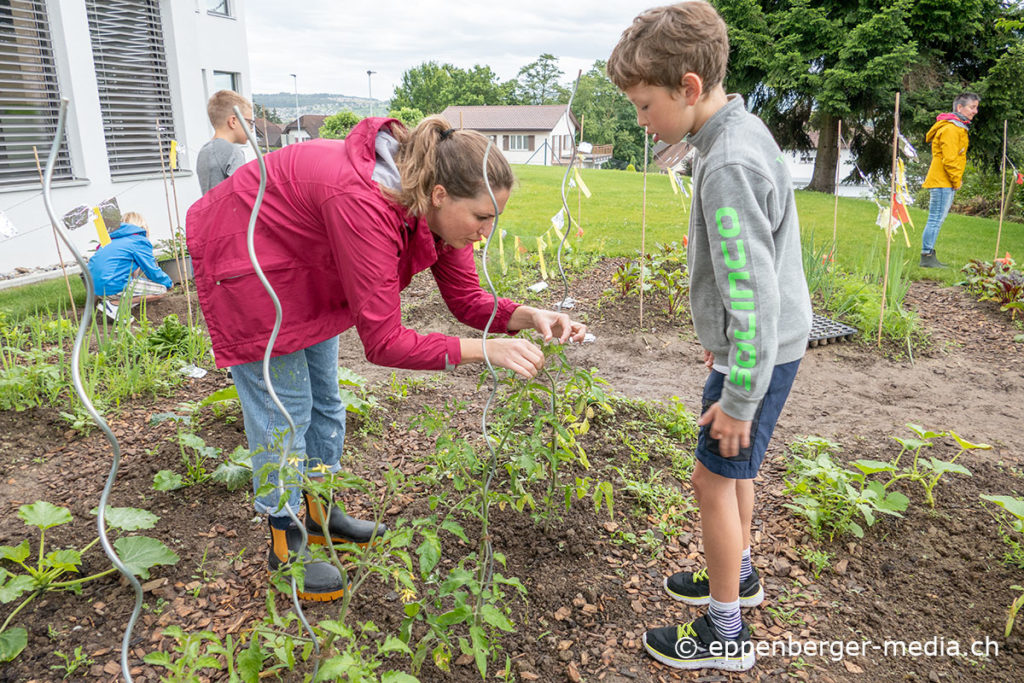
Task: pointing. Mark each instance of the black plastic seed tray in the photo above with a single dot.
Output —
(825, 331)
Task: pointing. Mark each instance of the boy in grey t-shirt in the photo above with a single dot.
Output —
(221, 156)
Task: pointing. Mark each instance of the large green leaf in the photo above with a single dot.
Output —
(166, 480)
(873, 466)
(393, 644)
(967, 445)
(232, 475)
(1015, 506)
(66, 560)
(128, 519)
(221, 396)
(922, 432)
(18, 553)
(18, 584)
(398, 677)
(44, 515)
(941, 467)
(493, 616)
(140, 553)
(429, 551)
(12, 642)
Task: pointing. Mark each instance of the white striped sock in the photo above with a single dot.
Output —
(726, 618)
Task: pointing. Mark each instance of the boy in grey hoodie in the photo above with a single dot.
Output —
(751, 309)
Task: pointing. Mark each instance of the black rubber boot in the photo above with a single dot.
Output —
(323, 581)
(930, 260)
(343, 529)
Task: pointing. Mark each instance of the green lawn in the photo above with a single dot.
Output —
(611, 221)
(611, 224)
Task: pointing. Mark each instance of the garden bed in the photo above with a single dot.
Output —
(593, 583)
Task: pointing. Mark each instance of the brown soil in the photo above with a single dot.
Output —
(933, 576)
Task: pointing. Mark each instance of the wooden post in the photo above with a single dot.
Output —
(835, 209)
(888, 231)
(643, 230)
(579, 190)
(179, 249)
(1002, 194)
(60, 256)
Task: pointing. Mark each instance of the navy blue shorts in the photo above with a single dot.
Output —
(748, 461)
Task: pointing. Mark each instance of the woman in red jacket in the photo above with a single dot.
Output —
(343, 227)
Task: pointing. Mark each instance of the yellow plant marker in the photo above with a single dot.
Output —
(540, 253)
(501, 251)
(476, 246)
(518, 249)
(174, 155)
(672, 181)
(101, 227)
(582, 185)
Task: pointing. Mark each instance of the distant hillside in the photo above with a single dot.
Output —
(319, 103)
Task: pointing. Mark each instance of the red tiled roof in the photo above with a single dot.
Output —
(507, 117)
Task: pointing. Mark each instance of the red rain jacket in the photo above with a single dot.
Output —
(336, 251)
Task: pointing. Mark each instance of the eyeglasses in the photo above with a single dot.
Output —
(251, 122)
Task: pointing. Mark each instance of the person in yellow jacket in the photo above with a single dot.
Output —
(948, 138)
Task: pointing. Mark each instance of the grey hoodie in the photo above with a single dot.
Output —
(747, 288)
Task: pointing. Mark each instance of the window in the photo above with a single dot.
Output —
(225, 80)
(131, 73)
(517, 142)
(29, 93)
(220, 7)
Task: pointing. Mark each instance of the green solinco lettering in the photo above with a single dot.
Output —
(735, 293)
(741, 255)
(751, 330)
(735, 221)
(746, 348)
(742, 305)
(740, 377)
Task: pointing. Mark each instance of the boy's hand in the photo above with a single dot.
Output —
(709, 359)
(732, 434)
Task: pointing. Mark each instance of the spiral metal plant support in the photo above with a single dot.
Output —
(76, 378)
(487, 561)
(566, 302)
(289, 440)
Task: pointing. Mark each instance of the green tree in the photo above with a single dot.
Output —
(537, 82)
(407, 115)
(261, 112)
(806, 64)
(431, 87)
(336, 127)
(608, 117)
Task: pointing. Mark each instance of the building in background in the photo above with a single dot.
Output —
(310, 130)
(528, 134)
(124, 65)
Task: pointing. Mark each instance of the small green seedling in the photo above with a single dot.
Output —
(1011, 523)
(139, 554)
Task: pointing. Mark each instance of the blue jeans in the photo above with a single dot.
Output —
(938, 209)
(306, 382)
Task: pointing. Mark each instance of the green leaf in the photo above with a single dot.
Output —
(140, 553)
(454, 528)
(128, 519)
(12, 590)
(44, 515)
(412, 609)
(869, 516)
(894, 502)
(250, 662)
(166, 480)
(233, 476)
(349, 378)
(392, 644)
(479, 649)
(221, 396)
(495, 618)
(941, 467)
(158, 658)
(398, 677)
(1015, 506)
(18, 553)
(65, 560)
(967, 445)
(873, 466)
(12, 642)
(429, 551)
(922, 432)
(856, 530)
(336, 668)
(455, 616)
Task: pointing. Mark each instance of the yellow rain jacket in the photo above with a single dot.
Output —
(949, 154)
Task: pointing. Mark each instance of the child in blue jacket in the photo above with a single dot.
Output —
(127, 264)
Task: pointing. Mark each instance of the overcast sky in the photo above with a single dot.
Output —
(330, 45)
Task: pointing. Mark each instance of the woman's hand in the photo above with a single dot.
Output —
(519, 355)
(550, 324)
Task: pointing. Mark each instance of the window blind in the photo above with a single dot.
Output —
(131, 74)
(29, 94)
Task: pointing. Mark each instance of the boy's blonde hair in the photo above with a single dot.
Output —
(434, 153)
(665, 43)
(135, 218)
(220, 106)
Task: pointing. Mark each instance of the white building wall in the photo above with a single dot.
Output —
(801, 168)
(196, 43)
(538, 156)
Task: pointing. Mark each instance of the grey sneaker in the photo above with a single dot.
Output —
(930, 260)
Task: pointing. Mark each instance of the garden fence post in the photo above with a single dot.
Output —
(892, 195)
(1002, 194)
(835, 190)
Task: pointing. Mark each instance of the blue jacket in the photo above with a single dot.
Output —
(112, 266)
